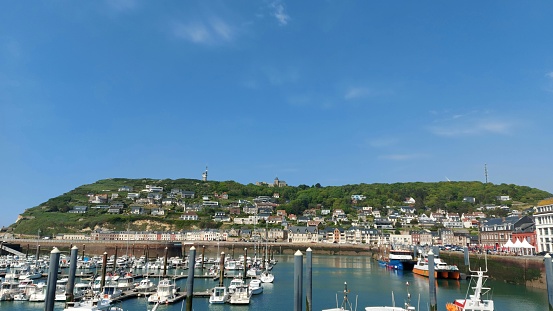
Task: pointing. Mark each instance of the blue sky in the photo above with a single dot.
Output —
(329, 92)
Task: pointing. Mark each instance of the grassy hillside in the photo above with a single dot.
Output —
(52, 216)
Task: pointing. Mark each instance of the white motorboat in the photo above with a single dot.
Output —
(40, 293)
(241, 295)
(255, 287)
(145, 285)
(220, 295)
(8, 288)
(235, 283)
(166, 292)
(111, 291)
(126, 282)
(93, 305)
(31, 275)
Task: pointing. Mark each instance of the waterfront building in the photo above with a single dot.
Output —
(303, 234)
(495, 232)
(543, 218)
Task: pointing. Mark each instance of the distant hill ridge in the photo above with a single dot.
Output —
(53, 216)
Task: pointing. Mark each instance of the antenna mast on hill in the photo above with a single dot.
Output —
(204, 174)
(486, 172)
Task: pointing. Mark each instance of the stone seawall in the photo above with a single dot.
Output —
(210, 248)
(520, 270)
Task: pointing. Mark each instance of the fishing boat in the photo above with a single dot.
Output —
(442, 270)
(474, 301)
(166, 292)
(219, 295)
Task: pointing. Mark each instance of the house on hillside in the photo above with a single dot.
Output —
(78, 210)
(137, 210)
(189, 215)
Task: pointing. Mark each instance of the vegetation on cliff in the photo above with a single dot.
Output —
(52, 216)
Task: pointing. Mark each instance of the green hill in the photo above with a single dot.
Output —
(53, 216)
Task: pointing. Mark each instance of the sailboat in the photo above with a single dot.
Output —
(346, 305)
(266, 276)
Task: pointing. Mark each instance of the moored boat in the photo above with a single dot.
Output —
(400, 259)
(255, 286)
(166, 292)
(241, 295)
(219, 295)
(346, 305)
(442, 270)
(474, 302)
(266, 277)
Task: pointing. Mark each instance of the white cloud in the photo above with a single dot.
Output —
(401, 157)
(279, 12)
(549, 74)
(357, 92)
(215, 31)
(473, 127)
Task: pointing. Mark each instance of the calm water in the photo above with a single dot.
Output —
(368, 283)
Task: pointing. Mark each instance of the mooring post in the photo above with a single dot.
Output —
(190, 279)
(549, 279)
(466, 252)
(69, 291)
(165, 261)
(298, 280)
(432, 282)
(52, 280)
(37, 253)
(222, 269)
(309, 275)
(245, 263)
(104, 267)
(203, 257)
(115, 259)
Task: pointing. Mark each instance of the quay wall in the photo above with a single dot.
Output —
(157, 249)
(520, 270)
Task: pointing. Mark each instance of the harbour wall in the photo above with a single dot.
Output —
(520, 270)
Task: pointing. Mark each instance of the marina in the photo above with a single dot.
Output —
(369, 285)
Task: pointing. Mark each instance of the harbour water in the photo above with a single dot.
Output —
(369, 285)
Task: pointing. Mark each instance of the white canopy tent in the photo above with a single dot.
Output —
(527, 247)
